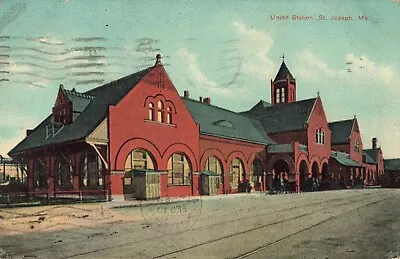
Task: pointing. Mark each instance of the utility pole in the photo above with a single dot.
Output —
(4, 168)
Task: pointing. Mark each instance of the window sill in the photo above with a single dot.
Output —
(179, 185)
(162, 123)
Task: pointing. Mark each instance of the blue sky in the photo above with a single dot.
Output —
(227, 50)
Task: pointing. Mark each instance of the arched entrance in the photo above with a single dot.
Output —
(139, 159)
(237, 173)
(281, 176)
(326, 178)
(256, 175)
(314, 170)
(325, 172)
(303, 175)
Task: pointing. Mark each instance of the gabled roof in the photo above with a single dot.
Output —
(216, 121)
(79, 100)
(283, 117)
(283, 73)
(341, 131)
(392, 164)
(93, 113)
(370, 156)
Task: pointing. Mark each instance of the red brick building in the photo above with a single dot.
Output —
(93, 141)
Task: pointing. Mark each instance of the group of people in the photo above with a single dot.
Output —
(283, 185)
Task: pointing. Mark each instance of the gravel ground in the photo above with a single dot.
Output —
(337, 224)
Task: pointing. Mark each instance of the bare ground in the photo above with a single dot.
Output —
(337, 224)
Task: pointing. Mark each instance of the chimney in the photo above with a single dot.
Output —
(201, 99)
(374, 141)
(207, 100)
(186, 94)
(28, 132)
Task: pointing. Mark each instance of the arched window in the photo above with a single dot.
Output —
(277, 95)
(283, 95)
(139, 159)
(236, 173)
(160, 112)
(169, 115)
(151, 111)
(179, 170)
(213, 164)
(256, 171)
(320, 136)
(39, 175)
(91, 170)
(62, 174)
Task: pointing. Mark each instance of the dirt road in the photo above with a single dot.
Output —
(337, 224)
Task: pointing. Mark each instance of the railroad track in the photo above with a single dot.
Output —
(263, 214)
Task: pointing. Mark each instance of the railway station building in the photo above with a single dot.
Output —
(96, 141)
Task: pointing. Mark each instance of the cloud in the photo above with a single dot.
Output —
(254, 46)
(13, 67)
(312, 66)
(382, 71)
(19, 123)
(362, 68)
(197, 77)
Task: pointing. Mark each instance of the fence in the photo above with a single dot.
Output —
(59, 197)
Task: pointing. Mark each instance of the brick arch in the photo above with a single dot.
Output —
(255, 156)
(180, 148)
(159, 97)
(288, 159)
(299, 159)
(136, 143)
(315, 159)
(242, 157)
(212, 152)
(324, 160)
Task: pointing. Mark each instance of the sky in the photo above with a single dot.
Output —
(348, 52)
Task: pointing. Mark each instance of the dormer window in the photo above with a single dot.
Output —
(224, 123)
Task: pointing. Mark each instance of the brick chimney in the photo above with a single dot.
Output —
(186, 94)
(207, 100)
(28, 132)
(374, 142)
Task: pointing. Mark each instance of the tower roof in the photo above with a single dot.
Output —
(283, 73)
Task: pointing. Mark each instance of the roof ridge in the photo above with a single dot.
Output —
(190, 99)
(117, 80)
(78, 94)
(341, 121)
(291, 103)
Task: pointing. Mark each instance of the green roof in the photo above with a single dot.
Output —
(283, 117)
(392, 164)
(93, 108)
(370, 156)
(344, 159)
(341, 131)
(216, 121)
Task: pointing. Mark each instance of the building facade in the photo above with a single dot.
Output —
(93, 142)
